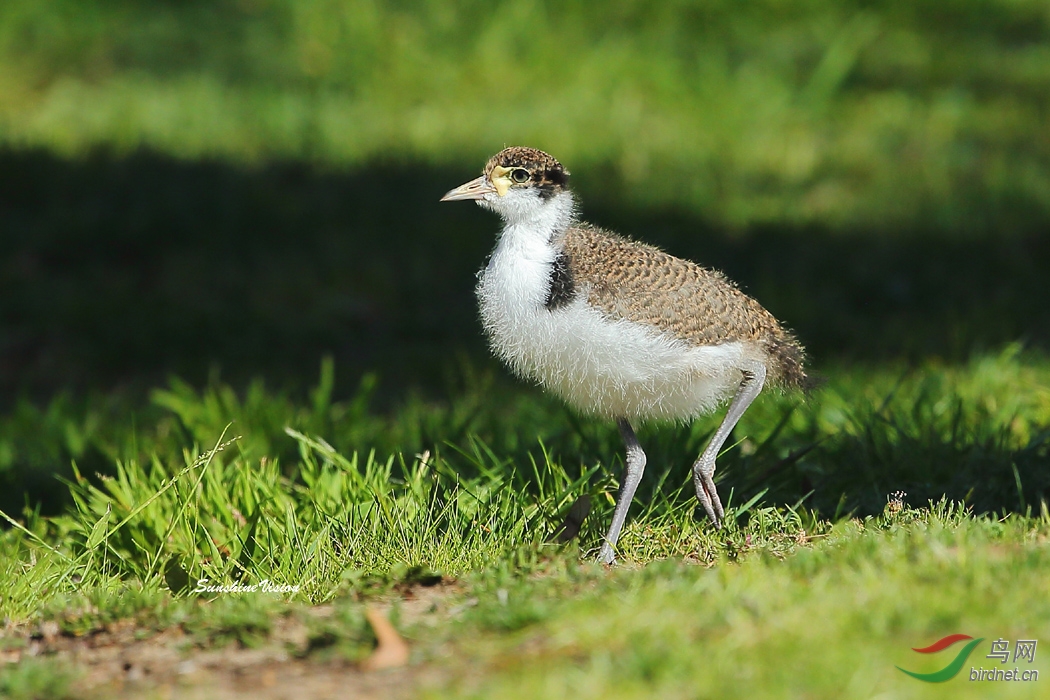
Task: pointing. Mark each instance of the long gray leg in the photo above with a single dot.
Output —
(704, 468)
(632, 477)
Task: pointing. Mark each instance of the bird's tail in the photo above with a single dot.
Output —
(787, 359)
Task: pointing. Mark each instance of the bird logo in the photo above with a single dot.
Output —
(953, 668)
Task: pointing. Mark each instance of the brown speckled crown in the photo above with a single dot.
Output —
(547, 173)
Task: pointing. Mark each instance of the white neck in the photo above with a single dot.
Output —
(532, 219)
(517, 278)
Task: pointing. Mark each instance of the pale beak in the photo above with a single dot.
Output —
(475, 189)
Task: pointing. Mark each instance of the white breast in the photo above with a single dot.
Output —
(608, 367)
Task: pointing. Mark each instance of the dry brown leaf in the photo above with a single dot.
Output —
(391, 650)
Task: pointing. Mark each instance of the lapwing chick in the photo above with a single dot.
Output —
(615, 327)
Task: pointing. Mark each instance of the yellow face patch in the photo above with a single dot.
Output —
(499, 179)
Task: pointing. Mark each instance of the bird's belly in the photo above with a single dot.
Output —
(608, 367)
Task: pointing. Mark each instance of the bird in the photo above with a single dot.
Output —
(615, 327)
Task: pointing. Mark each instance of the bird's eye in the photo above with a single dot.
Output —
(520, 175)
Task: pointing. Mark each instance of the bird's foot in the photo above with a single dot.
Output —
(708, 496)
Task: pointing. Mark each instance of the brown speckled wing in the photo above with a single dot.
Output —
(643, 284)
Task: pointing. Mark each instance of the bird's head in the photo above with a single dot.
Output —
(518, 183)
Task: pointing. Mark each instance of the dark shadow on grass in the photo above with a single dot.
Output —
(121, 270)
(857, 473)
(118, 271)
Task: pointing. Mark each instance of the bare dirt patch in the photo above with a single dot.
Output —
(124, 660)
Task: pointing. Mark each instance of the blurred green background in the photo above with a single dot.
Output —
(875, 114)
(225, 190)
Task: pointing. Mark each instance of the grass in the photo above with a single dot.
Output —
(812, 533)
(38, 679)
(975, 432)
(878, 585)
(831, 619)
